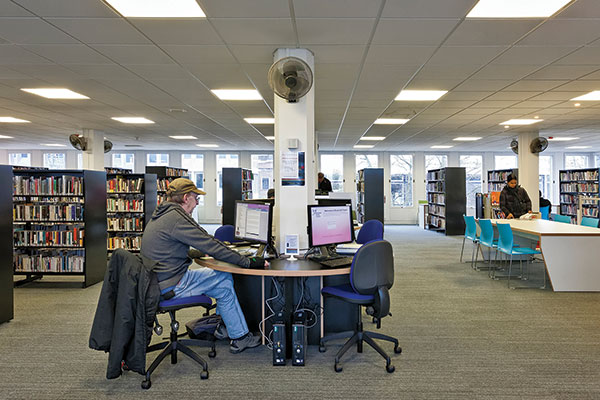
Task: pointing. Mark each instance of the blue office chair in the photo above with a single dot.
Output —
(506, 246)
(561, 218)
(175, 344)
(587, 221)
(226, 233)
(371, 230)
(471, 234)
(486, 238)
(545, 211)
(371, 277)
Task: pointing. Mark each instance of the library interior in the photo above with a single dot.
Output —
(319, 199)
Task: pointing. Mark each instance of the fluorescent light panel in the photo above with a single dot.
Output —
(54, 145)
(259, 121)
(516, 8)
(562, 139)
(520, 122)
(183, 137)
(157, 8)
(390, 121)
(363, 146)
(226, 94)
(591, 96)
(270, 137)
(6, 137)
(373, 138)
(12, 120)
(579, 147)
(441, 147)
(420, 95)
(466, 139)
(55, 93)
(133, 120)
(208, 145)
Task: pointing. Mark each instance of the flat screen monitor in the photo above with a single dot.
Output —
(253, 220)
(329, 225)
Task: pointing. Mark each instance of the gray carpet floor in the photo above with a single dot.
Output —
(464, 336)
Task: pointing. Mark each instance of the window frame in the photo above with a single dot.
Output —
(412, 181)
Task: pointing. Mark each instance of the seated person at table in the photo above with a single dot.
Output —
(544, 202)
(324, 183)
(514, 200)
(167, 240)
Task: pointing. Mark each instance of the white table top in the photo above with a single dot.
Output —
(541, 227)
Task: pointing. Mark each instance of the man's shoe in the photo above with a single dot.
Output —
(243, 343)
(221, 332)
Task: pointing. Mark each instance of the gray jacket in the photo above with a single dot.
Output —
(168, 237)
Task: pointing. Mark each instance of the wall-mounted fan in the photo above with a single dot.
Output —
(78, 142)
(107, 146)
(290, 78)
(538, 145)
(514, 146)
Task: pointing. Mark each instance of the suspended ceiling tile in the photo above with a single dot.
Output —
(262, 31)
(563, 72)
(199, 54)
(554, 32)
(334, 30)
(337, 53)
(491, 32)
(134, 54)
(465, 55)
(492, 71)
(414, 32)
(428, 8)
(68, 8)
(336, 9)
(534, 85)
(178, 31)
(68, 54)
(533, 55)
(100, 30)
(401, 55)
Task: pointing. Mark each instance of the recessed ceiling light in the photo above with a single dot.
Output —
(516, 8)
(157, 8)
(208, 145)
(55, 93)
(270, 137)
(420, 95)
(562, 139)
(363, 146)
(466, 139)
(6, 137)
(373, 138)
(591, 96)
(441, 147)
(520, 122)
(54, 145)
(579, 147)
(226, 94)
(537, 117)
(183, 137)
(133, 120)
(390, 121)
(577, 104)
(259, 121)
(506, 127)
(12, 120)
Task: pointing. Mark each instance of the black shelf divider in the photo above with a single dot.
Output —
(237, 185)
(6, 249)
(369, 188)
(446, 196)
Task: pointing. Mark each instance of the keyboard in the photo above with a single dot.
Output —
(336, 262)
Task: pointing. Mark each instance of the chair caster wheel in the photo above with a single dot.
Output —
(322, 349)
(146, 384)
(390, 368)
(338, 368)
(397, 349)
(204, 374)
(212, 353)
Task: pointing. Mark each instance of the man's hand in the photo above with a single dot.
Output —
(510, 216)
(258, 262)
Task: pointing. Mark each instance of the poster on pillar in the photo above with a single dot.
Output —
(292, 169)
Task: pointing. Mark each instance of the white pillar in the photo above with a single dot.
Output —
(93, 156)
(294, 121)
(529, 167)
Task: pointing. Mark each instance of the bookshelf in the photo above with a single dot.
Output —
(237, 185)
(164, 176)
(130, 202)
(6, 246)
(496, 181)
(575, 182)
(117, 171)
(446, 198)
(369, 192)
(59, 225)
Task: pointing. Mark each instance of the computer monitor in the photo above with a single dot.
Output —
(253, 221)
(329, 225)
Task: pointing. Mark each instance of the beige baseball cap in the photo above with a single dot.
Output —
(183, 186)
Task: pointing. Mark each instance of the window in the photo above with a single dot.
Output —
(362, 161)
(505, 162)
(224, 161)
(123, 160)
(401, 171)
(597, 161)
(435, 161)
(194, 163)
(575, 161)
(20, 159)
(546, 176)
(473, 168)
(157, 160)
(332, 166)
(55, 161)
(262, 168)
(79, 160)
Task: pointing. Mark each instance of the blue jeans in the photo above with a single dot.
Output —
(218, 285)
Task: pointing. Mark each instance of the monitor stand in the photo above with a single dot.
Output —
(264, 249)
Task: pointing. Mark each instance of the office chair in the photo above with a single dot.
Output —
(561, 218)
(587, 221)
(371, 277)
(471, 234)
(175, 344)
(506, 246)
(226, 233)
(371, 230)
(486, 238)
(545, 211)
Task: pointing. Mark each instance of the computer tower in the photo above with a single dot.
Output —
(279, 340)
(299, 338)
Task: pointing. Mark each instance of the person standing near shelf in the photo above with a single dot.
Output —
(514, 200)
(168, 238)
(324, 183)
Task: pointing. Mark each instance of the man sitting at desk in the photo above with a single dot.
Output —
(324, 183)
(167, 240)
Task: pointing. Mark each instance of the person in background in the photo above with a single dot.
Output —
(544, 202)
(514, 200)
(324, 183)
(271, 193)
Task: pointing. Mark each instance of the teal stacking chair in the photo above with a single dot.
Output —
(506, 246)
(545, 211)
(486, 238)
(470, 234)
(561, 218)
(587, 221)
